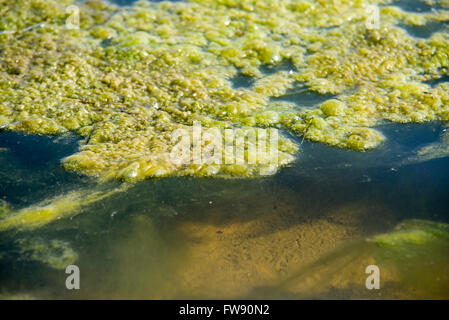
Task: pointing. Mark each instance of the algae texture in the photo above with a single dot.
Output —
(128, 78)
(136, 83)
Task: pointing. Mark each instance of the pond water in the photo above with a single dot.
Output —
(301, 233)
(211, 238)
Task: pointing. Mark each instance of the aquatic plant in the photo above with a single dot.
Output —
(412, 259)
(129, 77)
(416, 251)
(49, 210)
(412, 238)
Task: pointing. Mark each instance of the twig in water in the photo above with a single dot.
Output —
(304, 132)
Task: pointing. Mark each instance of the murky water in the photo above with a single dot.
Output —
(301, 233)
(226, 238)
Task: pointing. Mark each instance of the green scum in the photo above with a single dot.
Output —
(129, 77)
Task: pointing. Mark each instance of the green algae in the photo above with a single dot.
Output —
(55, 254)
(17, 296)
(440, 3)
(434, 150)
(128, 78)
(412, 260)
(416, 233)
(417, 250)
(50, 210)
(4, 208)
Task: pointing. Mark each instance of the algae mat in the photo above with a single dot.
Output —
(131, 80)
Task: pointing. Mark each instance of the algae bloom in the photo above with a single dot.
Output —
(128, 78)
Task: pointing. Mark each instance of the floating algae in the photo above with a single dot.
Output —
(128, 78)
(412, 238)
(17, 296)
(438, 3)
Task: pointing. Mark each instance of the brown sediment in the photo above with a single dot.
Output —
(230, 253)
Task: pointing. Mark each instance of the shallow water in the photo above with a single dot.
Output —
(210, 238)
(272, 237)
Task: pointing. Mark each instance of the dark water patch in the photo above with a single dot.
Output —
(242, 81)
(106, 43)
(412, 5)
(123, 2)
(35, 150)
(436, 82)
(304, 97)
(426, 30)
(30, 166)
(343, 176)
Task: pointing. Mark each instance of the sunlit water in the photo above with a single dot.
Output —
(298, 234)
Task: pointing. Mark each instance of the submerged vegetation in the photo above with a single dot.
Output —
(420, 234)
(55, 254)
(434, 150)
(417, 247)
(129, 77)
(65, 205)
(412, 259)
